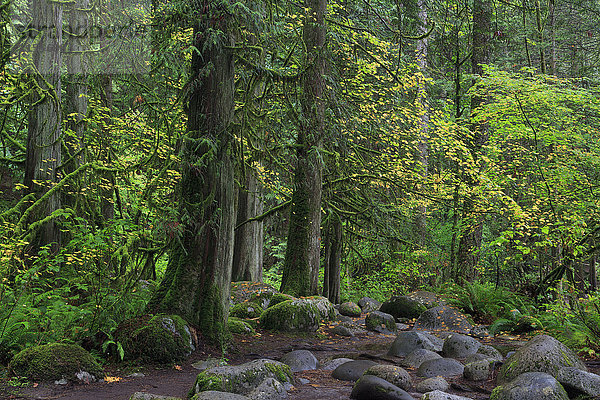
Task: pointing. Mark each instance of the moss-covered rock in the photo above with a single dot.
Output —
(543, 353)
(350, 309)
(381, 322)
(403, 307)
(241, 379)
(247, 290)
(325, 307)
(280, 298)
(298, 315)
(291, 316)
(236, 325)
(161, 338)
(54, 361)
(246, 309)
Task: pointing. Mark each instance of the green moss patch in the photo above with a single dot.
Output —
(53, 362)
(241, 379)
(246, 309)
(161, 338)
(236, 325)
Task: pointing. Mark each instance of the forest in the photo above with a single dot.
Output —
(151, 153)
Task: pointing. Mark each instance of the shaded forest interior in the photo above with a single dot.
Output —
(153, 152)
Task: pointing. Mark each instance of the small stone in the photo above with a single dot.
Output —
(431, 384)
(62, 381)
(352, 370)
(300, 360)
(417, 357)
(440, 367)
(395, 375)
(439, 395)
(336, 362)
(370, 387)
(350, 309)
(477, 371)
(460, 346)
(368, 304)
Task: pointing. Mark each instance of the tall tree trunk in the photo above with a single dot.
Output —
(249, 238)
(44, 128)
(198, 276)
(423, 107)
(302, 258)
(553, 56)
(470, 240)
(76, 90)
(333, 259)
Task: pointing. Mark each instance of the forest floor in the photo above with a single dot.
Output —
(177, 380)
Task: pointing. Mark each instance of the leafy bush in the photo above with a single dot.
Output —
(483, 301)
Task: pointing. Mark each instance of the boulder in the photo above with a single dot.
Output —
(393, 374)
(370, 387)
(56, 361)
(581, 381)
(246, 309)
(368, 304)
(216, 395)
(403, 307)
(255, 291)
(432, 384)
(150, 396)
(460, 346)
(381, 322)
(490, 352)
(236, 325)
(300, 360)
(406, 342)
(279, 298)
(445, 367)
(417, 357)
(346, 329)
(428, 299)
(352, 370)
(269, 389)
(336, 362)
(242, 379)
(350, 309)
(478, 370)
(440, 395)
(443, 318)
(530, 386)
(543, 353)
(299, 315)
(161, 338)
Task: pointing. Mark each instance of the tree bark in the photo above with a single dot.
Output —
(76, 90)
(198, 276)
(333, 259)
(249, 238)
(44, 119)
(302, 258)
(470, 240)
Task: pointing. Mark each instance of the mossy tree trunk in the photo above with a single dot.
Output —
(249, 238)
(302, 258)
(333, 258)
(198, 276)
(44, 119)
(470, 240)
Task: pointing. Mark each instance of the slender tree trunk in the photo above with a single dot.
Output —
(553, 56)
(470, 240)
(540, 31)
(423, 107)
(76, 90)
(44, 129)
(302, 258)
(198, 276)
(249, 238)
(333, 259)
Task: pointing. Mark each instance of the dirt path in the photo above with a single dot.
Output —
(177, 380)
